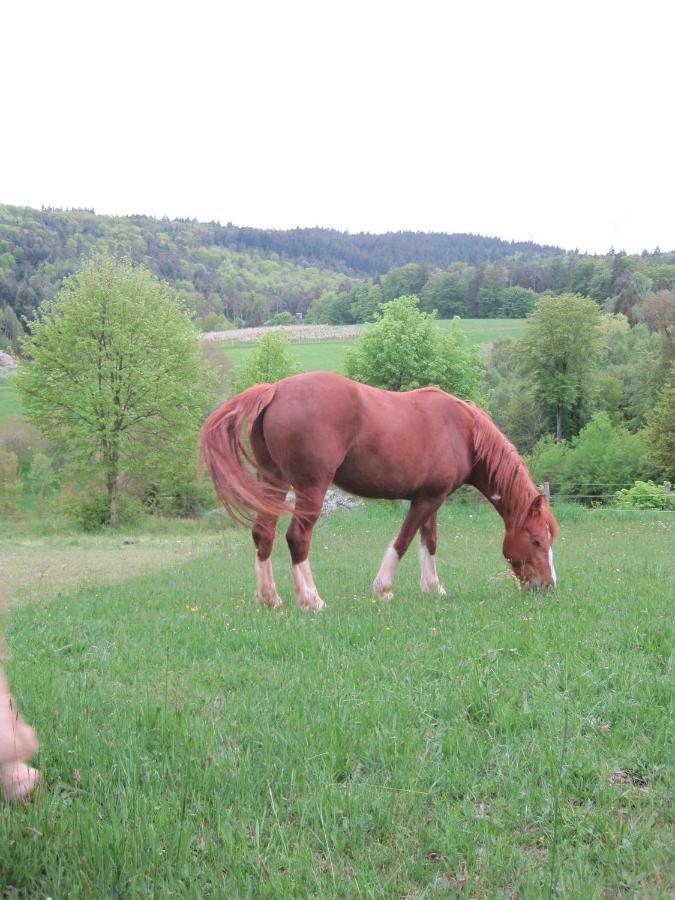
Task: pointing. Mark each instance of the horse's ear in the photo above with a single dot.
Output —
(538, 505)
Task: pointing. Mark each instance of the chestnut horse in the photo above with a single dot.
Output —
(311, 430)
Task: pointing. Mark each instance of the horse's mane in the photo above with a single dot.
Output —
(507, 472)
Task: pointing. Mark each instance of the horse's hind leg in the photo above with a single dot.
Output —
(429, 580)
(420, 510)
(265, 524)
(308, 504)
(263, 538)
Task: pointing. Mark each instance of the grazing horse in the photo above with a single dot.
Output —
(311, 430)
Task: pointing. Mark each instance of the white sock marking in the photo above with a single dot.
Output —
(266, 590)
(305, 590)
(428, 575)
(385, 577)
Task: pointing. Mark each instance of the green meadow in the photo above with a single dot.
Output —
(491, 743)
(312, 356)
(9, 400)
(328, 355)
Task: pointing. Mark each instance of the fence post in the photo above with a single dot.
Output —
(547, 491)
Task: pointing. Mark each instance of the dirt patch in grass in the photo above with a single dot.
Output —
(29, 574)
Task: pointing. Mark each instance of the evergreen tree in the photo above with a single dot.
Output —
(660, 431)
(561, 351)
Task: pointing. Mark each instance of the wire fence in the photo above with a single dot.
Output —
(593, 490)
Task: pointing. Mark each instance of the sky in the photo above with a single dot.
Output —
(546, 121)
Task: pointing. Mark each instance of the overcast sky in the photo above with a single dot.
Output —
(550, 121)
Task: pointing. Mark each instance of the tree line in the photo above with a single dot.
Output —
(506, 289)
(116, 386)
(221, 287)
(229, 276)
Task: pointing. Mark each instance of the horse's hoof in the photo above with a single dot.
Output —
(274, 602)
(315, 605)
(433, 589)
(382, 593)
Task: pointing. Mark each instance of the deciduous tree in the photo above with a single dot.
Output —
(405, 349)
(270, 362)
(117, 380)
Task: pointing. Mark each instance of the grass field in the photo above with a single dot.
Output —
(488, 743)
(328, 355)
(9, 400)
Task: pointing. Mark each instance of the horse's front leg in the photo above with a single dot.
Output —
(429, 580)
(420, 510)
(308, 504)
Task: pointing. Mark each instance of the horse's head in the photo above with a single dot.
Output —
(528, 547)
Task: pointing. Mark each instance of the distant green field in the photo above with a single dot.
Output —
(313, 356)
(9, 400)
(485, 331)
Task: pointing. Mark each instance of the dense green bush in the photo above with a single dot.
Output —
(22, 438)
(269, 363)
(645, 495)
(548, 461)
(331, 308)
(345, 307)
(405, 349)
(93, 512)
(10, 482)
(602, 457)
(281, 318)
(214, 321)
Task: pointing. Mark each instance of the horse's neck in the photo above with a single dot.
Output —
(481, 480)
(509, 495)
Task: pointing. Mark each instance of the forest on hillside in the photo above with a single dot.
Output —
(230, 276)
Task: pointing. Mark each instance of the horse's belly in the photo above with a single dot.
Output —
(374, 478)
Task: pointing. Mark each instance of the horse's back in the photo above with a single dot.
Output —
(369, 441)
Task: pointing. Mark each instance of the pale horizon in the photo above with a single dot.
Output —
(526, 123)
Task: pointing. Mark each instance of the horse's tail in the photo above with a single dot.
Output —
(232, 466)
